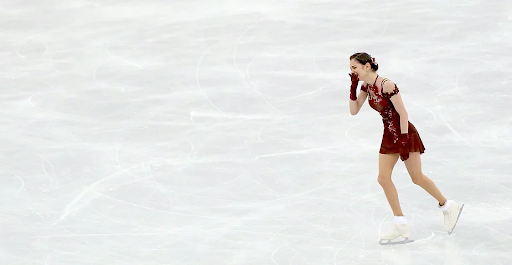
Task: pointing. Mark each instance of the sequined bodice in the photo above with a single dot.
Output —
(381, 102)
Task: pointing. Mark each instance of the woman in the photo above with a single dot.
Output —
(400, 139)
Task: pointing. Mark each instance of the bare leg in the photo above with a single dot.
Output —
(386, 164)
(413, 165)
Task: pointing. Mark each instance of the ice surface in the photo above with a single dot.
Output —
(218, 132)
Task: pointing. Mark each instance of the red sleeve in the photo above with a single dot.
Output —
(364, 88)
(389, 95)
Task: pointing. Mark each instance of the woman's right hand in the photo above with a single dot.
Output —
(353, 87)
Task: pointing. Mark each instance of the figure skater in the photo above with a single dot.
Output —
(400, 139)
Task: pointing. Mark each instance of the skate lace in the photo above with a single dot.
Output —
(393, 230)
(447, 217)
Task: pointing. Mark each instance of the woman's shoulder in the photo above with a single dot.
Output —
(388, 87)
(384, 80)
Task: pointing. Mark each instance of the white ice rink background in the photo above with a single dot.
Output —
(218, 132)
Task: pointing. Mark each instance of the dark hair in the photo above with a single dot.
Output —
(364, 58)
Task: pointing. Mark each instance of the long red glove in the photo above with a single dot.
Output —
(404, 146)
(353, 87)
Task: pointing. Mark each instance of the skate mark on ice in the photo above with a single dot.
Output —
(22, 183)
(288, 197)
(235, 116)
(238, 42)
(282, 246)
(292, 99)
(315, 57)
(120, 58)
(348, 129)
(473, 251)
(294, 241)
(427, 238)
(70, 207)
(464, 83)
(160, 233)
(346, 243)
(199, 82)
(300, 151)
(451, 128)
(217, 186)
(265, 127)
(159, 186)
(428, 110)
(47, 260)
(463, 120)
(245, 74)
(248, 83)
(40, 56)
(43, 159)
(160, 210)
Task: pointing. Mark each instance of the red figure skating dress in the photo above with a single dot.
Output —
(381, 102)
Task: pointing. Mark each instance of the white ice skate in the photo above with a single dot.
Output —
(451, 215)
(398, 234)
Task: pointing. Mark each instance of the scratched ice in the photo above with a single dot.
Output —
(218, 132)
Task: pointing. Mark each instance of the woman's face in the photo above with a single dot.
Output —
(357, 68)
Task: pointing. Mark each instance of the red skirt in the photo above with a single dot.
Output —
(387, 145)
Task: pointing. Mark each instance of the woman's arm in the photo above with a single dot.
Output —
(389, 88)
(355, 105)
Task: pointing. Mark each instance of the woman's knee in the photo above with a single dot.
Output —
(417, 178)
(384, 180)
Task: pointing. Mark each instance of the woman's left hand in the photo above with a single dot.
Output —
(404, 146)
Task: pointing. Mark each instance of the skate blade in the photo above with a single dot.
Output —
(386, 242)
(456, 221)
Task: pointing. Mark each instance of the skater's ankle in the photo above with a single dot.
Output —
(442, 204)
(445, 205)
(400, 220)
